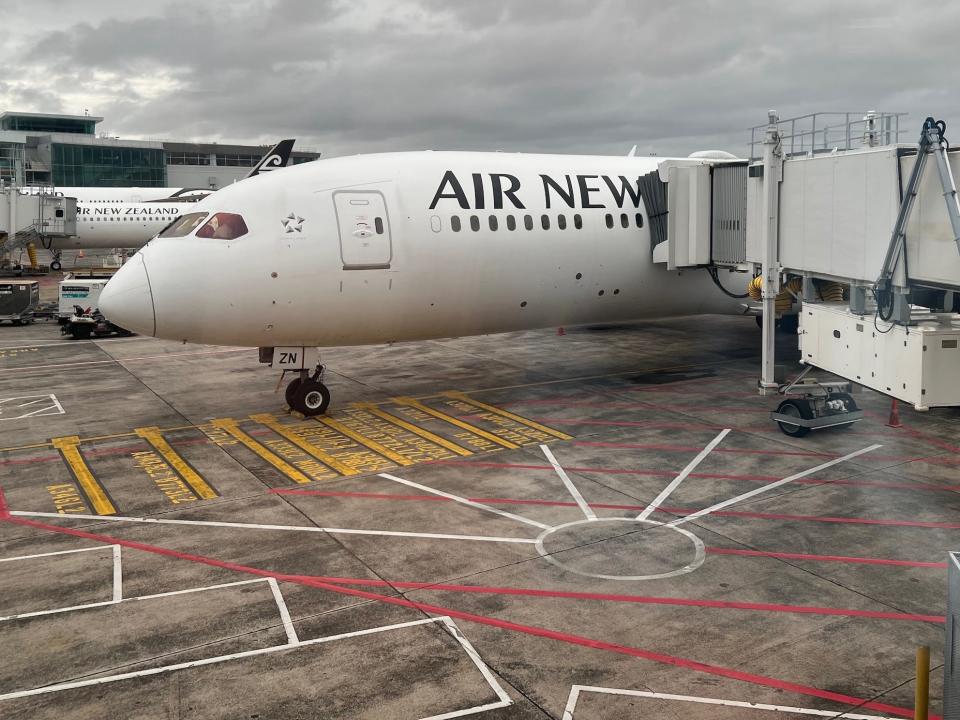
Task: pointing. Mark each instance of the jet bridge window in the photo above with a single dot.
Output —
(184, 225)
(223, 226)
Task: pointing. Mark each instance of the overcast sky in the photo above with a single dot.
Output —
(594, 76)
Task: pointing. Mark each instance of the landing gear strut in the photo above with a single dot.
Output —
(307, 394)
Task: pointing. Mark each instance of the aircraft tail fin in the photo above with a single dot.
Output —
(273, 159)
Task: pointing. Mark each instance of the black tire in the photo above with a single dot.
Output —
(310, 398)
(291, 390)
(56, 266)
(81, 332)
(798, 409)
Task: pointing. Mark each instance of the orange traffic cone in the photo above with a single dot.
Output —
(894, 419)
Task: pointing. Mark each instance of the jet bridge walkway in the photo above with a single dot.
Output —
(833, 201)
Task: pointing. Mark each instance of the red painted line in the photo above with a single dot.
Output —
(642, 599)
(481, 619)
(825, 558)
(709, 476)
(637, 508)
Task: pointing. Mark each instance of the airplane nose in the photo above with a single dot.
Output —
(127, 299)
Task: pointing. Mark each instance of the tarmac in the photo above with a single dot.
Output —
(599, 524)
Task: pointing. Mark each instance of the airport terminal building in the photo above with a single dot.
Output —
(65, 150)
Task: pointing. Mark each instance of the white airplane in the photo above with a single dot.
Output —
(121, 218)
(405, 246)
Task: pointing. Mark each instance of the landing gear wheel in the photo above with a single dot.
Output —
(56, 266)
(310, 398)
(798, 409)
(291, 391)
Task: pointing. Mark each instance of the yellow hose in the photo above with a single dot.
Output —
(831, 291)
(784, 299)
(32, 254)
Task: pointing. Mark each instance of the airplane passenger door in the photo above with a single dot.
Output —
(364, 229)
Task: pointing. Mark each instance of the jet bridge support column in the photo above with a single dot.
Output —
(772, 174)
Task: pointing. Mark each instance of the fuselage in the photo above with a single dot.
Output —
(409, 246)
(116, 224)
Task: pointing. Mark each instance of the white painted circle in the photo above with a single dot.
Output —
(699, 552)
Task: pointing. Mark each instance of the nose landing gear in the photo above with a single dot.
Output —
(307, 394)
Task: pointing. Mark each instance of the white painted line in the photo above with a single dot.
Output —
(665, 493)
(767, 488)
(88, 606)
(117, 575)
(571, 488)
(294, 528)
(477, 660)
(120, 361)
(291, 631)
(465, 501)
(52, 406)
(577, 690)
(58, 552)
(278, 648)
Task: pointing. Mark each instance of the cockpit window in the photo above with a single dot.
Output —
(223, 226)
(183, 226)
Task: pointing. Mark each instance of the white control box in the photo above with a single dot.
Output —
(919, 364)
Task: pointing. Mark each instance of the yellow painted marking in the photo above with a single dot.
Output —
(230, 426)
(69, 447)
(463, 397)
(322, 455)
(455, 421)
(365, 441)
(153, 436)
(410, 427)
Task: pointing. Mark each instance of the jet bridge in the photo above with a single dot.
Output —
(835, 201)
(29, 220)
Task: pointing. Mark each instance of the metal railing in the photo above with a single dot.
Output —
(824, 132)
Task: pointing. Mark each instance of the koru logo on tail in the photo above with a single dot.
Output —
(271, 162)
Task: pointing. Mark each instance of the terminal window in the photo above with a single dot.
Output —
(107, 166)
(187, 158)
(237, 160)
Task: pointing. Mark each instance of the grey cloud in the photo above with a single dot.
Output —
(537, 75)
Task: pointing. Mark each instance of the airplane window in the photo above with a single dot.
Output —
(545, 221)
(577, 221)
(528, 222)
(511, 222)
(184, 225)
(562, 222)
(609, 219)
(455, 223)
(223, 226)
(639, 220)
(474, 223)
(624, 221)
(378, 225)
(493, 222)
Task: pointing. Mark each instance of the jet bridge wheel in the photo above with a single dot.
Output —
(308, 397)
(798, 409)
